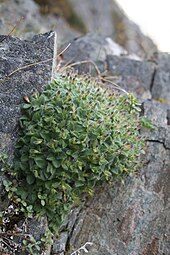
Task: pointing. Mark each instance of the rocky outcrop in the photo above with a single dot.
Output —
(129, 72)
(108, 19)
(26, 66)
(160, 88)
(73, 18)
(22, 18)
(126, 219)
(132, 218)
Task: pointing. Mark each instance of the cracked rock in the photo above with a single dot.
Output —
(125, 219)
(132, 218)
(15, 83)
(161, 88)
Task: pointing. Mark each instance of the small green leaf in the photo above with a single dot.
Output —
(40, 162)
(26, 106)
(56, 163)
(36, 140)
(50, 168)
(30, 179)
(42, 202)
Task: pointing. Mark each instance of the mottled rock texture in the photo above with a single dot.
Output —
(132, 218)
(73, 18)
(161, 85)
(121, 219)
(22, 18)
(21, 75)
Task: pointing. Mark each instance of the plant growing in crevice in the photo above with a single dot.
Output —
(74, 135)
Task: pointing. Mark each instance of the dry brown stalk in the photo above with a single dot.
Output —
(13, 28)
(36, 63)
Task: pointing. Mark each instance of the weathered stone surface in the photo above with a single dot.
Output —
(15, 83)
(14, 55)
(147, 79)
(132, 75)
(89, 47)
(125, 219)
(72, 18)
(93, 47)
(107, 18)
(132, 218)
(26, 17)
(96, 15)
(161, 86)
(26, 11)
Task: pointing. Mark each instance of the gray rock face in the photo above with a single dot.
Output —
(102, 16)
(145, 78)
(132, 218)
(89, 47)
(26, 11)
(20, 76)
(129, 219)
(161, 87)
(97, 48)
(107, 18)
(130, 74)
(25, 17)
(96, 15)
(125, 219)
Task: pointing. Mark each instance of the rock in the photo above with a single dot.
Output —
(132, 218)
(130, 74)
(160, 89)
(97, 48)
(66, 9)
(72, 18)
(147, 79)
(108, 20)
(91, 47)
(24, 14)
(25, 20)
(20, 76)
(96, 15)
(26, 67)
